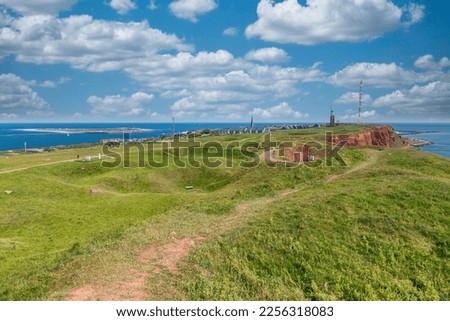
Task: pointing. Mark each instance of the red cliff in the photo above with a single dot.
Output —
(384, 136)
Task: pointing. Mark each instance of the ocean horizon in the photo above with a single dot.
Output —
(14, 136)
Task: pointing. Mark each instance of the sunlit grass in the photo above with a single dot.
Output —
(372, 232)
(364, 237)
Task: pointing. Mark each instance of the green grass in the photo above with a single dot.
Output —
(377, 230)
(370, 236)
(16, 160)
(45, 223)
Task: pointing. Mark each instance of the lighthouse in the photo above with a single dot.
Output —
(332, 118)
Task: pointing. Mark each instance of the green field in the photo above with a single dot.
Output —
(376, 229)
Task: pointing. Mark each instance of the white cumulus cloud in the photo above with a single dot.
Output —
(352, 98)
(84, 42)
(268, 55)
(190, 9)
(8, 116)
(428, 62)
(235, 92)
(279, 112)
(375, 75)
(135, 105)
(391, 75)
(321, 21)
(432, 98)
(33, 7)
(231, 32)
(122, 6)
(162, 63)
(152, 5)
(17, 97)
(413, 13)
(364, 114)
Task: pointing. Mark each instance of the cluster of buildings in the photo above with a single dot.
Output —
(210, 132)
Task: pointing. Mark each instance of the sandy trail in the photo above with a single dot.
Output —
(35, 166)
(373, 158)
(132, 284)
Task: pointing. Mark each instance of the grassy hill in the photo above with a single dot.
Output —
(376, 229)
(381, 233)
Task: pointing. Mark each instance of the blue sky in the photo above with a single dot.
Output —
(224, 60)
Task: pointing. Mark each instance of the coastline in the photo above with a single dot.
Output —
(92, 136)
(417, 142)
(69, 131)
(432, 138)
(81, 203)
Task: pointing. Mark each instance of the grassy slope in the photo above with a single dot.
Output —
(377, 232)
(381, 233)
(51, 217)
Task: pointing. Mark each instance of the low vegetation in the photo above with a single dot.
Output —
(376, 229)
(379, 234)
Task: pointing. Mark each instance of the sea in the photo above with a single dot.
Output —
(437, 134)
(16, 136)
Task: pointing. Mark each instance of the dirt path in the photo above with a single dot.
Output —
(130, 285)
(35, 166)
(154, 262)
(373, 158)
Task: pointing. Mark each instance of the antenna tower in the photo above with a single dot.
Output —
(360, 101)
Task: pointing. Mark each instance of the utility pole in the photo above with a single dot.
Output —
(360, 101)
(173, 128)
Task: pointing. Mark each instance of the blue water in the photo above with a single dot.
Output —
(439, 134)
(13, 136)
